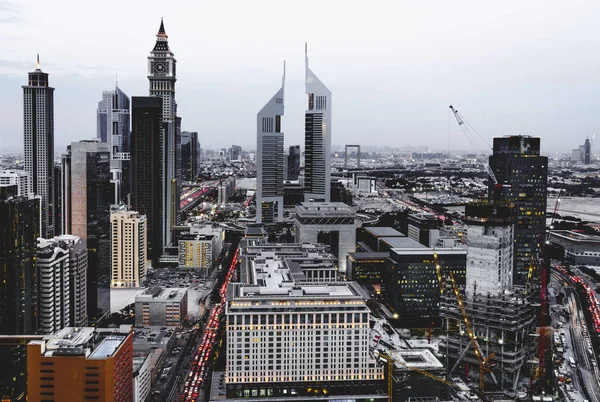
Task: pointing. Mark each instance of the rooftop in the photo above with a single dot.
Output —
(384, 232)
(401, 242)
(575, 236)
(159, 294)
(324, 209)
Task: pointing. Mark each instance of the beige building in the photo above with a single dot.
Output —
(128, 240)
(200, 246)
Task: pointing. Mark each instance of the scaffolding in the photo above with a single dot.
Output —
(504, 325)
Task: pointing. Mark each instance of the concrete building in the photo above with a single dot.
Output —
(331, 223)
(317, 139)
(270, 159)
(369, 237)
(161, 307)
(293, 163)
(128, 249)
(141, 377)
(20, 217)
(113, 116)
(190, 155)
(38, 135)
(80, 364)
(53, 286)
(78, 266)
(490, 239)
(86, 213)
(289, 338)
(200, 247)
(578, 248)
(518, 165)
(423, 227)
(20, 178)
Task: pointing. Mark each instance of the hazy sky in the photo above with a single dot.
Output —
(510, 67)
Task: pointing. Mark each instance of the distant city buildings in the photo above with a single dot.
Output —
(270, 160)
(161, 307)
(128, 249)
(317, 140)
(518, 165)
(190, 155)
(20, 178)
(113, 128)
(38, 130)
(235, 153)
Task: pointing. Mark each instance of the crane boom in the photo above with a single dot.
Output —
(465, 129)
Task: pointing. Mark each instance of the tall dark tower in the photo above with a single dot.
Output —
(516, 161)
(147, 173)
(162, 77)
(20, 217)
(38, 132)
(587, 151)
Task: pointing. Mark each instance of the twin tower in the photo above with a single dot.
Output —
(270, 159)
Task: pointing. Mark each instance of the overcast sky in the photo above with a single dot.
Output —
(511, 67)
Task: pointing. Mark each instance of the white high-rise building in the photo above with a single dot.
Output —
(270, 159)
(317, 139)
(78, 266)
(18, 177)
(113, 116)
(128, 236)
(490, 234)
(38, 130)
(53, 286)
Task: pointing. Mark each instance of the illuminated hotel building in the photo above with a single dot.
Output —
(128, 237)
(81, 364)
(288, 337)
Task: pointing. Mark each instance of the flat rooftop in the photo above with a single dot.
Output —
(423, 359)
(108, 346)
(384, 232)
(401, 242)
(159, 294)
(324, 209)
(575, 236)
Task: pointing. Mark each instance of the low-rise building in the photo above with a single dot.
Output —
(200, 246)
(158, 306)
(367, 268)
(578, 248)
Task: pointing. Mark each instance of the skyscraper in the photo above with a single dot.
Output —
(317, 139)
(190, 155)
(162, 76)
(86, 214)
(587, 151)
(20, 217)
(113, 128)
(147, 174)
(128, 234)
(270, 159)
(516, 162)
(20, 178)
(53, 286)
(38, 130)
(293, 162)
(78, 266)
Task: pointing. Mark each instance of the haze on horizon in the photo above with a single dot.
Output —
(393, 67)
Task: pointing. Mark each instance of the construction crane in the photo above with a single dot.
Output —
(471, 139)
(390, 363)
(438, 270)
(485, 364)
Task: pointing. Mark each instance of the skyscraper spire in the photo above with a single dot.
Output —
(37, 65)
(306, 53)
(283, 78)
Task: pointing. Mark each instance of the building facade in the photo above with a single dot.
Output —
(20, 178)
(38, 130)
(317, 139)
(270, 159)
(161, 307)
(293, 163)
(80, 364)
(190, 155)
(78, 267)
(86, 213)
(113, 128)
(331, 223)
(423, 227)
(128, 249)
(147, 175)
(53, 286)
(578, 248)
(200, 246)
(518, 165)
(162, 75)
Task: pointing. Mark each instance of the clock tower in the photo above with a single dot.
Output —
(162, 77)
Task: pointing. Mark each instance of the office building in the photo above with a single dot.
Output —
(20, 217)
(331, 223)
(200, 246)
(270, 159)
(490, 233)
(423, 227)
(518, 165)
(53, 286)
(78, 266)
(293, 163)
(577, 248)
(367, 268)
(81, 364)
(289, 338)
(235, 153)
(413, 279)
(159, 307)
(142, 377)
(128, 249)
(147, 175)
(317, 139)
(587, 151)
(38, 130)
(369, 238)
(190, 156)
(162, 76)
(20, 178)
(86, 214)
(58, 199)
(113, 128)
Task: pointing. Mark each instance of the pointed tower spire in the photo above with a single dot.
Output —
(306, 53)
(37, 65)
(161, 30)
(283, 78)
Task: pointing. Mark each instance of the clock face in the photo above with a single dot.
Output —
(160, 67)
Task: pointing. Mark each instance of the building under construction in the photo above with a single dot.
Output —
(489, 313)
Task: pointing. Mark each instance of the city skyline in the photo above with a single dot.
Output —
(540, 52)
